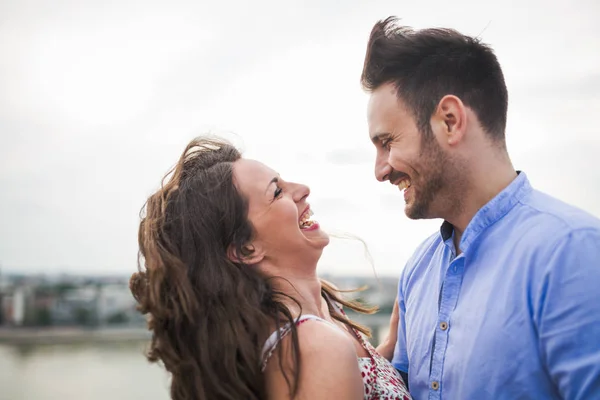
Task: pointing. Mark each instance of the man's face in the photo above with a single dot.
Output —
(406, 158)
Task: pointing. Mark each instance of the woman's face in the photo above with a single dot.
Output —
(280, 214)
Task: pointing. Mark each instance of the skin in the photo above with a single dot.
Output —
(388, 344)
(329, 367)
(454, 170)
(275, 207)
(453, 174)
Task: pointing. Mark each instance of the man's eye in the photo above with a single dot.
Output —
(386, 143)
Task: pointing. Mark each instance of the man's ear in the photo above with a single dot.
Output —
(249, 254)
(450, 120)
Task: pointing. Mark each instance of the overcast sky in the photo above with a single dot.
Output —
(98, 99)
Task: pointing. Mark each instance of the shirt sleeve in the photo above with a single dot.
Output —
(567, 315)
(400, 360)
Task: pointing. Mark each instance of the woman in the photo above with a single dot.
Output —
(236, 309)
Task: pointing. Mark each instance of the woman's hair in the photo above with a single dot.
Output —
(209, 316)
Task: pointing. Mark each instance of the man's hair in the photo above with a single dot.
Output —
(425, 65)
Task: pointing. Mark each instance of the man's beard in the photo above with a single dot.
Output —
(440, 183)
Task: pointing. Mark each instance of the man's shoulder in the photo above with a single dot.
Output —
(554, 215)
(544, 229)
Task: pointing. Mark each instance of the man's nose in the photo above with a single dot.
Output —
(382, 168)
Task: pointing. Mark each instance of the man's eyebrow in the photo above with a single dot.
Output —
(378, 137)
(274, 180)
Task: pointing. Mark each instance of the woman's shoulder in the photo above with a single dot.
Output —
(328, 362)
(316, 337)
(330, 338)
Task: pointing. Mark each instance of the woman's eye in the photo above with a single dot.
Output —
(278, 192)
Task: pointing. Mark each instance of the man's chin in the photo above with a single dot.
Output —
(414, 211)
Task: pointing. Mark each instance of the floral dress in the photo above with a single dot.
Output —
(381, 380)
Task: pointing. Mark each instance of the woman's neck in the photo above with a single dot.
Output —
(297, 279)
(307, 292)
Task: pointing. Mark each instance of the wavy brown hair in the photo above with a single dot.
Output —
(210, 316)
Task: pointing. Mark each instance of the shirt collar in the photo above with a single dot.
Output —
(494, 210)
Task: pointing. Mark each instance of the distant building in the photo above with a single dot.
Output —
(115, 304)
(17, 303)
(96, 304)
(76, 306)
(379, 292)
(65, 300)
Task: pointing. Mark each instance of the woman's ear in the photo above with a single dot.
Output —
(248, 254)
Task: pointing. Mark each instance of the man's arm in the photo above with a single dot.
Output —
(567, 315)
(386, 347)
(394, 345)
(400, 359)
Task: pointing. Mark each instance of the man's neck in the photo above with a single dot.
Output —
(485, 185)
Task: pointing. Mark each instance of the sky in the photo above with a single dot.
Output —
(99, 98)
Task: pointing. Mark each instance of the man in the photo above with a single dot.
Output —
(502, 302)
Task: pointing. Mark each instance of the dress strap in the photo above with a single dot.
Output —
(276, 337)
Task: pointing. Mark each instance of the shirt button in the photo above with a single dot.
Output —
(443, 326)
(435, 385)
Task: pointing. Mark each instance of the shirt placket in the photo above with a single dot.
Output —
(448, 298)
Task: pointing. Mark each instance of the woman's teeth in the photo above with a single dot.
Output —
(404, 184)
(305, 221)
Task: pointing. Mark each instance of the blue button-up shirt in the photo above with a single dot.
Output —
(516, 315)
